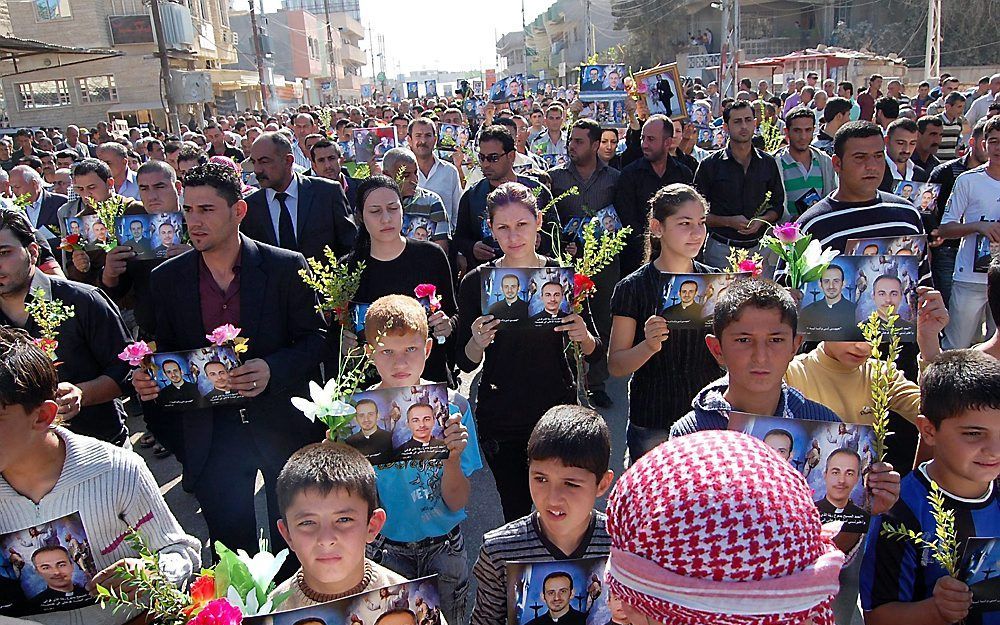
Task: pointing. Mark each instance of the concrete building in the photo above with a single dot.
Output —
(46, 92)
(319, 7)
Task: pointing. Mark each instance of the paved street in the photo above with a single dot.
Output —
(484, 506)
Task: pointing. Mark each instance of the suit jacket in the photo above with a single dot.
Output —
(49, 213)
(322, 218)
(278, 316)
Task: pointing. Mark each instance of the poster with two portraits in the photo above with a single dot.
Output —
(527, 296)
(874, 274)
(150, 235)
(568, 592)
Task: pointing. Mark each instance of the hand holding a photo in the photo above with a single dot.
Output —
(456, 437)
(656, 332)
(883, 483)
(990, 230)
(576, 329)
(251, 378)
(484, 330)
(115, 263)
(932, 317)
(69, 397)
(440, 324)
(81, 261)
(482, 251)
(145, 386)
(179, 249)
(952, 599)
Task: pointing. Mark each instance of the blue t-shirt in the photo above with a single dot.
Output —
(896, 570)
(410, 491)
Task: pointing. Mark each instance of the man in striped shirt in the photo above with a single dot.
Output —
(806, 172)
(952, 125)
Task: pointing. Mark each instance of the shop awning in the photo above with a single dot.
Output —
(20, 51)
(128, 107)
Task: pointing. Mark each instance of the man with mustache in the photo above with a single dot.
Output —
(434, 174)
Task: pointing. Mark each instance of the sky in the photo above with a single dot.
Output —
(449, 35)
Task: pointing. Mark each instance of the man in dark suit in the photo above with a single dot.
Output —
(688, 308)
(292, 211)
(230, 278)
(179, 393)
(44, 206)
(511, 307)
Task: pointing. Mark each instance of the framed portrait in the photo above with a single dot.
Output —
(602, 82)
(833, 457)
(978, 568)
(923, 195)
(430, 88)
(372, 143)
(688, 299)
(701, 113)
(197, 378)
(412, 91)
(410, 603)
(906, 245)
(508, 89)
(400, 424)
(563, 591)
(152, 235)
(664, 92)
(852, 288)
(477, 87)
(532, 296)
(93, 232)
(46, 568)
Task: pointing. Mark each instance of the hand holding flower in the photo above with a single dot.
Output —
(251, 378)
(135, 353)
(145, 386)
(69, 398)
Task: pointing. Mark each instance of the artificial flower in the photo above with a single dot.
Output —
(323, 403)
(218, 612)
(223, 334)
(786, 233)
(202, 592)
(642, 88)
(48, 346)
(135, 353)
(750, 266)
(582, 284)
(263, 565)
(816, 255)
(70, 242)
(430, 292)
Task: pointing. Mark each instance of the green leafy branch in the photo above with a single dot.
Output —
(599, 252)
(48, 315)
(108, 212)
(884, 373)
(769, 130)
(944, 546)
(147, 589)
(335, 282)
(22, 202)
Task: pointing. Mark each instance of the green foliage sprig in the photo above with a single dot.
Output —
(22, 202)
(48, 315)
(883, 375)
(599, 251)
(148, 589)
(944, 546)
(108, 212)
(335, 283)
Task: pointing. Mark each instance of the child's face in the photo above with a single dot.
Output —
(848, 353)
(564, 496)
(966, 450)
(400, 358)
(756, 349)
(328, 533)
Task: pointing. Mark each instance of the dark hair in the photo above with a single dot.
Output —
(904, 124)
(847, 86)
(735, 106)
(785, 433)
(499, 133)
(506, 122)
(836, 106)
(191, 152)
(888, 106)
(326, 466)
(993, 288)
(223, 179)
(17, 222)
(573, 435)
(27, 376)
(322, 144)
(953, 97)
(753, 293)
(929, 120)
(844, 450)
(612, 130)
(668, 125)
(73, 154)
(363, 241)
(557, 574)
(309, 619)
(511, 193)
(959, 381)
(92, 166)
(171, 146)
(855, 130)
(800, 112)
(665, 203)
(838, 268)
(874, 77)
(157, 167)
(592, 127)
(395, 611)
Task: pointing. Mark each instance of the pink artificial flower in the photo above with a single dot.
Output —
(430, 292)
(787, 233)
(747, 265)
(218, 612)
(642, 87)
(135, 353)
(223, 334)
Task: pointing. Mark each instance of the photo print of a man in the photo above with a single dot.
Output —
(511, 307)
(557, 594)
(138, 240)
(841, 475)
(420, 418)
(688, 307)
(552, 295)
(780, 441)
(833, 311)
(218, 375)
(371, 440)
(168, 238)
(887, 291)
(179, 392)
(54, 565)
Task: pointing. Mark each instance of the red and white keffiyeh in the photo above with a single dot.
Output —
(715, 528)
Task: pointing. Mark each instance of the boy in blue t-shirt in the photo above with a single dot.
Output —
(960, 420)
(424, 500)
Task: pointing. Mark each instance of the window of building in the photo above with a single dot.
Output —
(95, 89)
(52, 9)
(43, 94)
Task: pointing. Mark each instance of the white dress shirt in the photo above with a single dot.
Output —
(443, 179)
(895, 170)
(34, 210)
(129, 188)
(291, 202)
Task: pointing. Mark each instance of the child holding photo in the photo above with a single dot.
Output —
(425, 500)
(568, 455)
(667, 367)
(960, 420)
(327, 495)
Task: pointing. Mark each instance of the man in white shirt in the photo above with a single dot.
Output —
(433, 173)
(900, 142)
(973, 214)
(981, 106)
(116, 157)
(303, 125)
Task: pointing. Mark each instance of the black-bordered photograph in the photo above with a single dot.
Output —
(983, 254)
(400, 424)
(853, 287)
(46, 567)
(412, 91)
(923, 195)
(979, 569)
(833, 458)
(607, 221)
(567, 592)
(688, 299)
(152, 235)
(538, 296)
(905, 245)
(198, 378)
(664, 94)
(602, 82)
(508, 89)
(430, 88)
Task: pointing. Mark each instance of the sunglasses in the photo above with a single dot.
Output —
(490, 158)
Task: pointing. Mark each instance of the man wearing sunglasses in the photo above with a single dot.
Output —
(473, 238)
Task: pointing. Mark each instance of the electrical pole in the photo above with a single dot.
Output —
(586, 44)
(730, 48)
(381, 62)
(932, 56)
(258, 56)
(173, 120)
(329, 43)
(371, 55)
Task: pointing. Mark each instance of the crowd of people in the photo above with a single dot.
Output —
(261, 192)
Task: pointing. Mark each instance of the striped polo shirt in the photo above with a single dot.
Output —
(951, 134)
(799, 182)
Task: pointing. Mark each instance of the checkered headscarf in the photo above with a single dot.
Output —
(716, 528)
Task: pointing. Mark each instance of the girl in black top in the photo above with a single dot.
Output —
(395, 265)
(526, 369)
(669, 366)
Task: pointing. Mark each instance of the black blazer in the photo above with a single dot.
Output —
(278, 316)
(48, 215)
(322, 218)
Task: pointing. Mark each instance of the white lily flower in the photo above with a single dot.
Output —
(815, 255)
(323, 403)
(263, 566)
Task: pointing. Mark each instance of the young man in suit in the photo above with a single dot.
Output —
(292, 211)
(230, 278)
